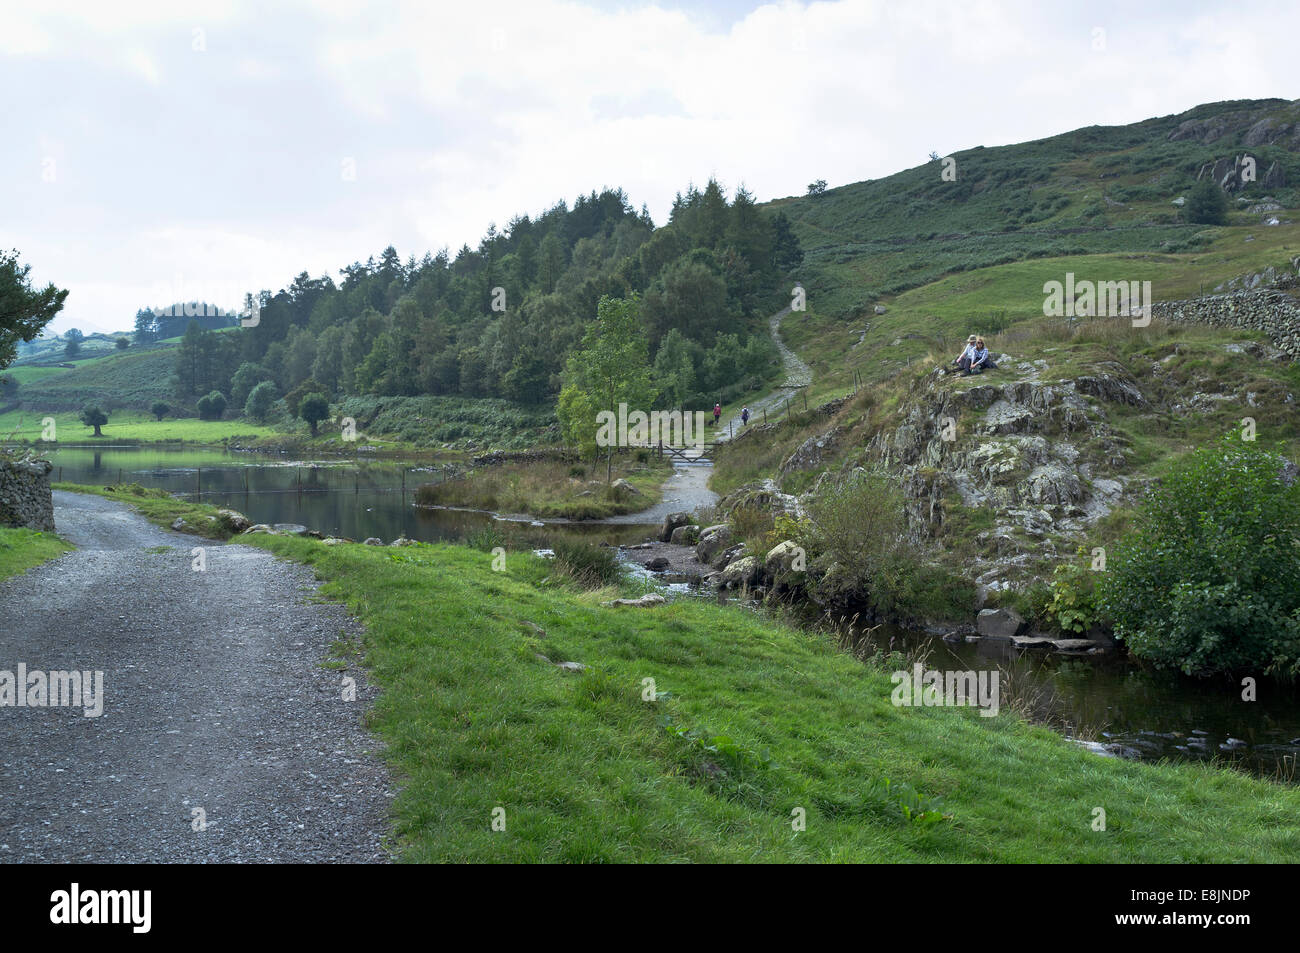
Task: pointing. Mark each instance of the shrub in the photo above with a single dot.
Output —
(212, 406)
(1206, 205)
(1208, 579)
(260, 401)
(159, 409)
(1073, 605)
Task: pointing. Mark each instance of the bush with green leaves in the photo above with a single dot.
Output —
(261, 399)
(1208, 578)
(159, 409)
(1073, 606)
(211, 406)
(1206, 204)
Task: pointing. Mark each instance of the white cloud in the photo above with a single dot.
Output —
(228, 164)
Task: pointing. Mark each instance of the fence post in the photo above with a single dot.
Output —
(198, 472)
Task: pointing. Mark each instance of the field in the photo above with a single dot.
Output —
(129, 427)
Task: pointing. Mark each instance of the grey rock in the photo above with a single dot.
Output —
(1000, 623)
(670, 523)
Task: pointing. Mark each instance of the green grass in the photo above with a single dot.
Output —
(549, 489)
(21, 549)
(131, 427)
(131, 378)
(587, 771)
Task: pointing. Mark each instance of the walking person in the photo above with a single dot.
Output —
(744, 416)
(717, 414)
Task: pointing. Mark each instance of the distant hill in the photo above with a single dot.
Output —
(1093, 190)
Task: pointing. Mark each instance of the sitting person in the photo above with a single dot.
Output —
(982, 360)
(967, 356)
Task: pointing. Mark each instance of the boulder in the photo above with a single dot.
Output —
(713, 540)
(233, 520)
(333, 541)
(658, 564)
(1000, 623)
(739, 572)
(251, 531)
(685, 535)
(290, 529)
(374, 541)
(785, 559)
(402, 541)
(622, 486)
(670, 523)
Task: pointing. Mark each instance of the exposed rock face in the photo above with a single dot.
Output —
(25, 497)
(1279, 128)
(1024, 448)
(761, 496)
(671, 522)
(813, 452)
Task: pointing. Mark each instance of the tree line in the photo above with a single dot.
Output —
(502, 319)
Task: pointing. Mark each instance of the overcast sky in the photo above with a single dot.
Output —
(154, 151)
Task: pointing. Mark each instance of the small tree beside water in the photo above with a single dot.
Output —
(1208, 580)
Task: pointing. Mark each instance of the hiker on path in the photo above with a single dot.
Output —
(717, 414)
(744, 416)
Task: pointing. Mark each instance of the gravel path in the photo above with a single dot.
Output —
(214, 699)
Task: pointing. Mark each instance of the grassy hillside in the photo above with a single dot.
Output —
(1091, 191)
(131, 378)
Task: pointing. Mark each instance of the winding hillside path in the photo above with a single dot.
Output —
(687, 490)
(214, 699)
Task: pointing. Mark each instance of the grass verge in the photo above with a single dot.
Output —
(747, 723)
(21, 549)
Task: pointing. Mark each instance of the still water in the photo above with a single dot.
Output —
(1131, 711)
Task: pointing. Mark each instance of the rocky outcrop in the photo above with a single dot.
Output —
(813, 452)
(1025, 448)
(25, 497)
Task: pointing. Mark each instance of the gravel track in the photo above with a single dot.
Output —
(215, 698)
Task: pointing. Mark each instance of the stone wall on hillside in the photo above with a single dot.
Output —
(1275, 313)
(25, 498)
